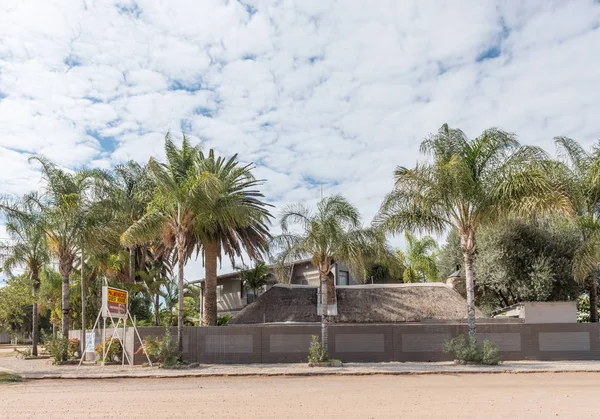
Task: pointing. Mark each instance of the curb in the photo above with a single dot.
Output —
(290, 374)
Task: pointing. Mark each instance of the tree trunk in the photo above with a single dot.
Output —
(83, 306)
(131, 265)
(65, 307)
(211, 253)
(325, 307)
(35, 316)
(180, 264)
(594, 297)
(470, 285)
(156, 309)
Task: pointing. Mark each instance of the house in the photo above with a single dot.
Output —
(232, 296)
(540, 312)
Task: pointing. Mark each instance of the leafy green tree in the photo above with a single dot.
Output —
(330, 233)
(26, 249)
(581, 172)
(419, 259)
(233, 220)
(15, 300)
(257, 277)
(522, 260)
(469, 183)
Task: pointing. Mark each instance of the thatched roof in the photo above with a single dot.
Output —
(281, 304)
(359, 304)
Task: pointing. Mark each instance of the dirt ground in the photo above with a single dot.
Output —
(567, 395)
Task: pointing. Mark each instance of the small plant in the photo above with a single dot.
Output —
(73, 348)
(224, 319)
(164, 351)
(467, 350)
(23, 353)
(489, 353)
(113, 354)
(316, 351)
(57, 348)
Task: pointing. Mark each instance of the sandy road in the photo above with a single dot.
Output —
(567, 395)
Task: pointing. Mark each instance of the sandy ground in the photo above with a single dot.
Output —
(567, 395)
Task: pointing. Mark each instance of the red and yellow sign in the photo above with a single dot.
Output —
(114, 302)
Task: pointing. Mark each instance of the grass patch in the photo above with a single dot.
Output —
(9, 378)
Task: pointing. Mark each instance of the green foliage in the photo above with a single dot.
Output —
(114, 353)
(467, 350)
(9, 378)
(57, 348)
(163, 350)
(583, 308)
(419, 259)
(316, 351)
(224, 319)
(73, 348)
(15, 304)
(256, 278)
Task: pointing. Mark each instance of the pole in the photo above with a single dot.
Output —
(83, 313)
(103, 340)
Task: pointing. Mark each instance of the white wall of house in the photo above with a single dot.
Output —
(550, 312)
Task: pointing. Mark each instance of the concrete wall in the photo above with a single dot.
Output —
(375, 343)
(232, 299)
(4, 338)
(550, 312)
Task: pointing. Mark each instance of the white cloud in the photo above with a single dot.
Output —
(316, 93)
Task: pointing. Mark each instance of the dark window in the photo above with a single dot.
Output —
(343, 278)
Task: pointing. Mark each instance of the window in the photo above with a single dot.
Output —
(219, 292)
(343, 278)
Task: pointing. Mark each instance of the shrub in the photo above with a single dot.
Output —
(468, 350)
(489, 353)
(317, 352)
(164, 351)
(73, 348)
(114, 352)
(224, 319)
(57, 348)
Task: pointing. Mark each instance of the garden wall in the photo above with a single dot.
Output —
(378, 343)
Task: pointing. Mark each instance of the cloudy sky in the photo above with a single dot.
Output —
(330, 94)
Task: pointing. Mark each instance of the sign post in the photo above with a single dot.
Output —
(114, 306)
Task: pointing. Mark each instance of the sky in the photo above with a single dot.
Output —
(320, 95)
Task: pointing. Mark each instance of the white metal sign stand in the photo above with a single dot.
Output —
(121, 311)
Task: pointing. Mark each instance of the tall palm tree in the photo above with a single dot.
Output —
(26, 249)
(173, 210)
(257, 277)
(470, 183)
(232, 220)
(134, 188)
(63, 219)
(581, 172)
(330, 233)
(419, 259)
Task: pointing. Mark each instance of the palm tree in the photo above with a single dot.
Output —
(419, 259)
(331, 233)
(173, 210)
(153, 279)
(581, 172)
(256, 277)
(468, 184)
(232, 220)
(26, 248)
(133, 192)
(62, 218)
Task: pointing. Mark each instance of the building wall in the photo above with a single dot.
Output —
(550, 312)
(306, 273)
(232, 299)
(377, 343)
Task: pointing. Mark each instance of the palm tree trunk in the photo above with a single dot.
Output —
(211, 251)
(156, 308)
(35, 316)
(83, 305)
(470, 285)
(594, 297)
(325, 308)
(180, 264)
(65, 307)
(131, 265)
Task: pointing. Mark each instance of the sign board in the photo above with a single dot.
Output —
(90, 341)
(114, 302)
